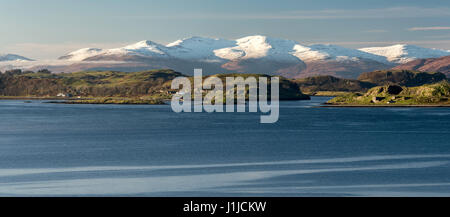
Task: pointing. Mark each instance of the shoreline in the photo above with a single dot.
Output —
(385, 106)
(94, 103)
(40, 98)
(113, 100)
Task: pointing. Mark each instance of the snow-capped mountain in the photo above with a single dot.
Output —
(13, 57)
(333, 52)
(252, 54)
(403, 53)
(143, 48)
(260, 54)
(197, 48)
(255, 47)
(193, 48)
(81, 54)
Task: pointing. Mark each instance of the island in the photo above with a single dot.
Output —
(109, 87)
(394, 95)
(381, 88)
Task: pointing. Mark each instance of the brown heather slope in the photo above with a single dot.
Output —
(441, 64)
(342, 69)
(367, 80)
(315, 84)
(407, 78)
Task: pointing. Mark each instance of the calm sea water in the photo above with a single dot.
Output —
(148, 150)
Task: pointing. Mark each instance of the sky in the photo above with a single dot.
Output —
(47, 29)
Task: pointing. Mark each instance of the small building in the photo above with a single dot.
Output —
(64, 95)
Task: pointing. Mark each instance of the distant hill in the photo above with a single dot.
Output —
(441, 64)
(401, 77)
(330, 83)
(13, 57)
(289, 90)
(316, 84)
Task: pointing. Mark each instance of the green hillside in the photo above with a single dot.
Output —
(429, 94)
(109, 86)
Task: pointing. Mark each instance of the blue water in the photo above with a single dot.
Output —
(148, 150)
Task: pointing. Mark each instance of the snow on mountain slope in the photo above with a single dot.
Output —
(190, 48)
(81, 54)
(333, 52)
(254, 47)
(285, 50)
(144, 48)
(403, 53)
(197, 47)
(13, 57)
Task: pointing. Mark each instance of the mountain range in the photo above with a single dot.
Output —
(252, 54)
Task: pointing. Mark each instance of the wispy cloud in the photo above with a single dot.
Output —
(376, 31)
(430, 28)
(444, 36)
(378, 13)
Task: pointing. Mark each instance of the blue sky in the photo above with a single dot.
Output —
(49, 28)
